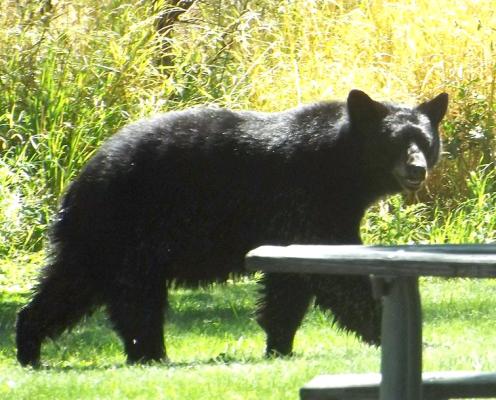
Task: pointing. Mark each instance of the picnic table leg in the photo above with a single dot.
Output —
(401, 342)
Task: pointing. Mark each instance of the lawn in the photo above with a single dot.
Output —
(216, 347)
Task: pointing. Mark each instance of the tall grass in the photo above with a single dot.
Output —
(72, 74)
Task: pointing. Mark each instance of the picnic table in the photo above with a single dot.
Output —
(394, 271)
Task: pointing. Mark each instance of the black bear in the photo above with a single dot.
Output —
(182, 197)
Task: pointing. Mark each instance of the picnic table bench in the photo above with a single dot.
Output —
(394, 271)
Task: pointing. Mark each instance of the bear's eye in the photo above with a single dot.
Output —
(423, 142)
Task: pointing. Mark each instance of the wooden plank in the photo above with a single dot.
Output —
(476, 261)
(342, 386)
(436, 385)
(459, 385)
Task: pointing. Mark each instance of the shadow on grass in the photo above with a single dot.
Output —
(9, 306)
(220, 360)
(462, 300)
(220, 310)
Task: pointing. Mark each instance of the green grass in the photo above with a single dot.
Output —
(216, 347)
(69, 78)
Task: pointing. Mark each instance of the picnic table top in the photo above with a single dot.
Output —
(467, 260)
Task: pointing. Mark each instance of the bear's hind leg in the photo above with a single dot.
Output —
(60, 300)
(137, 312)
(284, 302)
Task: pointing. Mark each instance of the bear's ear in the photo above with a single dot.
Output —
(363, 110)
(435, 108)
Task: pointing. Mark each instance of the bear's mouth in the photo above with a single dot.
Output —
(408, 183)
(411, 176)
(412, 184)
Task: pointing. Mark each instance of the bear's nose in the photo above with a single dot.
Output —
(416, 172)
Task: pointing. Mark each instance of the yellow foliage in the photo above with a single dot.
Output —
(402, 50)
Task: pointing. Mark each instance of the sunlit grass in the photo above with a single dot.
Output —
(70, 77)
(216, 348)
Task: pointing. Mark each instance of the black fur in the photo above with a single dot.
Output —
(182, 197)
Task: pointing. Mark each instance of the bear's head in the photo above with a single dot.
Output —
(399, 144)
